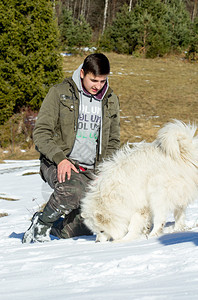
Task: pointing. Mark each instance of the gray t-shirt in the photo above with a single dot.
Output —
(89, 123)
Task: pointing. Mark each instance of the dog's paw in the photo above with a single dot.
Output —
(181, 228)
(154, 234)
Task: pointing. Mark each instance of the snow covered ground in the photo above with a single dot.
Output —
(79, 268)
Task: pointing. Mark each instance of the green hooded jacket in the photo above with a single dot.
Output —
(56, 126)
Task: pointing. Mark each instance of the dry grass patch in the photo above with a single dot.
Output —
(152, 92)
(3, 215)
(17, 154)
(30, 173)
(8, 199)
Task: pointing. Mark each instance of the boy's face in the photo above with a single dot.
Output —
(93, 84)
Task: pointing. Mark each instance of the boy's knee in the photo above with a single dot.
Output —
(69, 194)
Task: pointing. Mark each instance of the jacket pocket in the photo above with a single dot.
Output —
(67, 102)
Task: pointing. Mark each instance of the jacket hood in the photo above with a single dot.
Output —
(76, 78)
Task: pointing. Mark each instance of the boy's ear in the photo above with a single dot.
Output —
(81, 73)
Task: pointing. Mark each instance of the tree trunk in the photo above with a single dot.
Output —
(130, 5)
(79, 8)
(88, 9)
(105, 15)
(67, 5)
(75, 9)
(113, 8)
(194, 10)
(83, 7)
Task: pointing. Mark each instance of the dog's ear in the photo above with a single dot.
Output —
(101, 219)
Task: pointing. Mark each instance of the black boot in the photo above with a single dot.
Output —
(39, 230)
(57, 228)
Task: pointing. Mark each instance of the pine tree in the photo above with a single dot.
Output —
(29, 59)
(83, 32)
(67, 28)
(120, 36)
(153, 28)
(74, 32)
(178, 24)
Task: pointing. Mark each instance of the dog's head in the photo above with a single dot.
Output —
(98, 224)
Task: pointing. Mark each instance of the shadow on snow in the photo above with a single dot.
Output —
(19, 236)
(166, 239)
(179, 237)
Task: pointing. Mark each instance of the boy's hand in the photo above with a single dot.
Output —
(64, 168)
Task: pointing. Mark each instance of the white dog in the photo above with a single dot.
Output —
(137, 188)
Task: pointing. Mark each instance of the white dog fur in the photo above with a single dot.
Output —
(138, 187)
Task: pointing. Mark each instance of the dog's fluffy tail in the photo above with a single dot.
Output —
(177, 140)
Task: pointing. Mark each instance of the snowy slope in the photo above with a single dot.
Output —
(158, 268)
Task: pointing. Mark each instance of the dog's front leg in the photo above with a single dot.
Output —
(159, 213)
(159, 221)
(157, 230)
(179, 215)
(136, 226)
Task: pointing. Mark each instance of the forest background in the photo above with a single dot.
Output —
(152, 46)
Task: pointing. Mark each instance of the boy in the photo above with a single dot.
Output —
(78, 125)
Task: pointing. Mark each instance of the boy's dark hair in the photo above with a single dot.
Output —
(97, 64)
